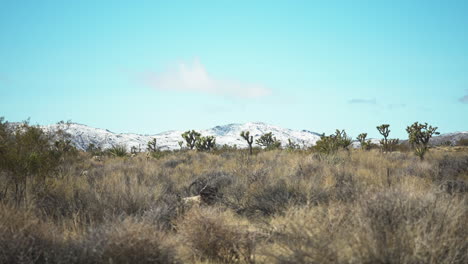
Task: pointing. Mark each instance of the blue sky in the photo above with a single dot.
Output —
(152, 66)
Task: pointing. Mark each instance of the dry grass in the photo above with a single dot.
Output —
(273, 207)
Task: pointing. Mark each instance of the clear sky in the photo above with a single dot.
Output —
(152, 66)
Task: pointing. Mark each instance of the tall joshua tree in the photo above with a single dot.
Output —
(384, 131)
(246, 135)
(191, 138)
(419, 135)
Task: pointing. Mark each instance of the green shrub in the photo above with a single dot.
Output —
(268, 141)
(118, 151)
(28, 154)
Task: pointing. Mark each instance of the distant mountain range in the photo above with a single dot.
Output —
(82, 136)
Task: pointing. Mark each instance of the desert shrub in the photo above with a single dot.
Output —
(160, 154)
(306, 235)
(218, 236)
(399, 227)
(217, 179)
(29, 156)
(24, 238)
(118, 151)
(402, 147)
(165, 210)
(451, 167)
(130, 241)
(393, 226)
(454, 186)
(173, 161)
(273, 198)
(94, 150)
(345, 188)
(462, 142)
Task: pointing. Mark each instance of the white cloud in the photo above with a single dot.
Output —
(194, 77)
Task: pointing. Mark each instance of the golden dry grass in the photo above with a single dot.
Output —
(273, 207)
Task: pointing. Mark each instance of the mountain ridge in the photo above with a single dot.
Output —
(83, 135)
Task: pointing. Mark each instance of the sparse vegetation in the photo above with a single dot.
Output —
(273, 207)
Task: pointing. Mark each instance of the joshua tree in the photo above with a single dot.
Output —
(205, 143)
(326, 144)
(331, 144)
(365, 144)
(387, 144)
(151, 146)
(181, 144)
(246, 135)
(291, 145)
(384, 131)
(268, 141)
(135, 150)
(191, 138)
(342, 138)
(419, 136)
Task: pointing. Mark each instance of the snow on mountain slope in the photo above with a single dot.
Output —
(82, 136)
(447, 138)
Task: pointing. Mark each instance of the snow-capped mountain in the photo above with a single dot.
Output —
(82, 136)
(448, 138)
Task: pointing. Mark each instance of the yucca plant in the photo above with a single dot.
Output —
(118, 151)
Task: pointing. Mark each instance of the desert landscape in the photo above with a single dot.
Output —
(221, 131)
